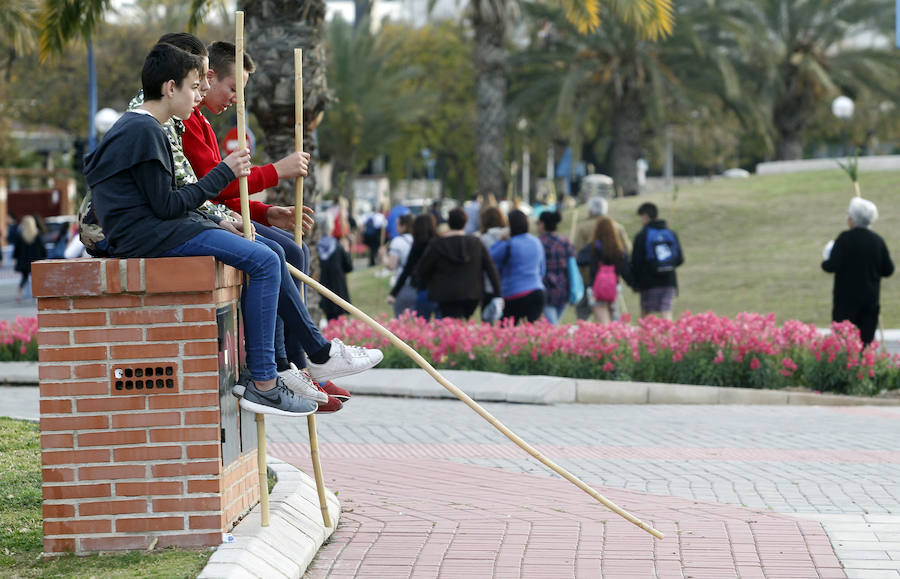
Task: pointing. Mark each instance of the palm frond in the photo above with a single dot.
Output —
(61, 21)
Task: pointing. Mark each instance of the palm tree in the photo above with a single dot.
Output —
(17, 30)
(582, 87)
(273, 29)
(794, 55)
(368, 109)
(649, 18)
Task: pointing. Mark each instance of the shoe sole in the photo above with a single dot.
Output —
(341, 374)
(343, 399)
(263, 409)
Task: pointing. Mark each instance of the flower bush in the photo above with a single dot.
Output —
(18, 340)
(749, 351)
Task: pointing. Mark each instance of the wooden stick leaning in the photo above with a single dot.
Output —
(245, 217)
(471, 403)
(298, 238)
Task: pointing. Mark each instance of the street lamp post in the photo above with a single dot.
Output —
(842, 108)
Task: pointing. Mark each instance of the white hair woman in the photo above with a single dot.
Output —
(859, 259)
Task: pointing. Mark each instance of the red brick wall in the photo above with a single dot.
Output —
(130, 458)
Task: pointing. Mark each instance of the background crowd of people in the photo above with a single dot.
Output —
(515, 266)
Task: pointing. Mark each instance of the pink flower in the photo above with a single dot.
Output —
(754, 364)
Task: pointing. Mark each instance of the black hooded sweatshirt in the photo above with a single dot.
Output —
(452, 266)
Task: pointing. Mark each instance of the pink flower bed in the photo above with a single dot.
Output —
(749, 350)
(18, 340)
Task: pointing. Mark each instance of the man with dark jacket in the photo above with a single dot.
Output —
(452, 266)
(858, 259)
(655, 255)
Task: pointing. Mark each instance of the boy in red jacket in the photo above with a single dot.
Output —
(201, 148)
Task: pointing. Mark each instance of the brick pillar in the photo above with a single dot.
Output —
(141, 440)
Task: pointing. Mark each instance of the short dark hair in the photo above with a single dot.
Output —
(164, 63)
(550, 219)
(648, 209)
(518, 222)
(456, 219)
(221, 59)
(185, 41)
(406, 221)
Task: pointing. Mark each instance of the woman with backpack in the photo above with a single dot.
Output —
(606, 261)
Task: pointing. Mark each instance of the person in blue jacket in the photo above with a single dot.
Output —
(521, 263)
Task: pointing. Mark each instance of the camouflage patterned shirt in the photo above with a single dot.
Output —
(184, 173)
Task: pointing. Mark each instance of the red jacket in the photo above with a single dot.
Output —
(202, 151)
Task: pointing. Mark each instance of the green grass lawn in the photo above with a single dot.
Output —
(750, 244)
(20, 524)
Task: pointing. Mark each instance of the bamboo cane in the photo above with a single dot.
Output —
(298, 238)
(298, 141)
(471, 403)
(245, 217)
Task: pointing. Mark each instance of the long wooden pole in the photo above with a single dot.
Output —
(245, 217)
(298, 141)
(471, 403)
(298, 238)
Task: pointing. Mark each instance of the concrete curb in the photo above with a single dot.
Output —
(494, 387)
(288, 545)
(19, 373)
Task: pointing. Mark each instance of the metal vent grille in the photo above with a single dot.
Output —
(144, 378)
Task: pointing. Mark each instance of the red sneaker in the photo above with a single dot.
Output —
(333, 389)
(333, 405)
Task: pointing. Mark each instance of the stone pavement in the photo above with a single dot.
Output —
(431, 490)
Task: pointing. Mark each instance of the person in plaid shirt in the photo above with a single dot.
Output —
(557, 251)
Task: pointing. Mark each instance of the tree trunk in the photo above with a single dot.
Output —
(626, 147)
(792, 112)
(273, 29)
(789, 148)
(489, 22)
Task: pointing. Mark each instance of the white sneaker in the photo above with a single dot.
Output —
(302, 386)
(345, 360)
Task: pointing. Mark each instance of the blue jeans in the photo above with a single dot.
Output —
(554, 313)
(425, 308)
(270, 291)
(288, 343)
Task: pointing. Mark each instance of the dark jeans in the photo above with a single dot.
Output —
(530, 306)
(461, 309)
(425, 308)
(270, 291)
(288, 343)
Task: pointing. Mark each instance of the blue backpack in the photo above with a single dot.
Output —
(661, 250)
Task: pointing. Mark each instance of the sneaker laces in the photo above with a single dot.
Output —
(350, 351)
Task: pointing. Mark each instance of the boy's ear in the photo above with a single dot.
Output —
(210, 75)
(168, 88)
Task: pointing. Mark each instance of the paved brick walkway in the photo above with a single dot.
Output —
(431, 490)
(430, 518)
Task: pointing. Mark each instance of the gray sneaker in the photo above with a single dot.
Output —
(345, 360)
(302, 385)
(279, 400)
